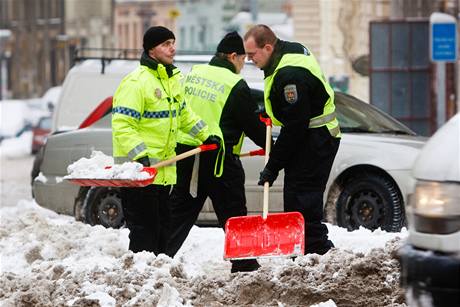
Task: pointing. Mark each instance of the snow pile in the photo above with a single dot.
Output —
(347, 278)
(100, 166)
(52, 260)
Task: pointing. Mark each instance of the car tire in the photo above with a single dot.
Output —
(102, 206)
(371, 201)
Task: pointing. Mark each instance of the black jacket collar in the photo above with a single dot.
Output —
(281, 48)
(146, 60)
(219, 62)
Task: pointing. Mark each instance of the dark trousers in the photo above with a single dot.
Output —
(304, 184)
(147, 217)
(310, 205)
(226, 193)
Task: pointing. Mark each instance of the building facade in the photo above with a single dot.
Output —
(88, 23)
(338, 34)
(44, 35)
(339, 31)
(133, 17)
(32, 50)
(201, 24)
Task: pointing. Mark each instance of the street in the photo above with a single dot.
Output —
(15, 179)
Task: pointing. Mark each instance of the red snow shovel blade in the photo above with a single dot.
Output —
(117, 182)
(281, 234)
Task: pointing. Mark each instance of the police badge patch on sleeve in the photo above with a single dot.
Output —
(290, 93)
(158, 93)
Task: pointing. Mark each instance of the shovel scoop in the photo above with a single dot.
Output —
(280, 234)
(269, 235)
(151, 171)
(117, 182)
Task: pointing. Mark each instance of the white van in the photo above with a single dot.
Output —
(430, 261)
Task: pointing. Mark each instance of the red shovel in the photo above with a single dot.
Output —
(152, 170)
(269, 235)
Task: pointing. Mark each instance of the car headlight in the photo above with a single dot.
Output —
(436, 207)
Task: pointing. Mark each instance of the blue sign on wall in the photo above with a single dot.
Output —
(444, 42)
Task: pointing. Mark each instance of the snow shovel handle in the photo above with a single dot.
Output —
(268, 141)
(257, 152)
(186, 154)
(267, 184)
(266, 120)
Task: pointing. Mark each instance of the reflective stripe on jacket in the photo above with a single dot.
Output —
(148, 110)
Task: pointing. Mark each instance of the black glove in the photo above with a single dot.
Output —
(267, 176)
(212, 139)
(144, 161)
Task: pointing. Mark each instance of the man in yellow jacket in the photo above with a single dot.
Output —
(148, 110)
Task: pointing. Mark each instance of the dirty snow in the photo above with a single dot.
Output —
(52, 260)
(101, 166)
(48, 259)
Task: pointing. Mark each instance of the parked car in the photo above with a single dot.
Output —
(367, 186)
(51, 96)
(430, 260)
(18, 116)
(40, 133)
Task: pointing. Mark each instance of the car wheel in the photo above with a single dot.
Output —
(371, 201)
(102, 205)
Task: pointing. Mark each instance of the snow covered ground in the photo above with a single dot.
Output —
(48, 259)
(52, 260)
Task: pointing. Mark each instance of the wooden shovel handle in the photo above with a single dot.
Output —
(186, 154)
(268, 142)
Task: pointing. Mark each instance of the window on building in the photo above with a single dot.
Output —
(17, 12)
(120, 36)
(40, 9)
(55, 9)
(400, 76)
(192, 38)
(135, 35)
(126, 36)
(202, 37)
(3, 14)
(182, 38)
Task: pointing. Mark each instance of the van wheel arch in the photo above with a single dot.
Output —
(101, 206)
(355, 181)
(78, 207)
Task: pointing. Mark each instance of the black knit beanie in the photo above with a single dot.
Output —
(231, 42)
(155, 36)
